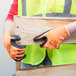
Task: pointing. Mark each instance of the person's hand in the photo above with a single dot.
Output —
(14, 51)
(53, 38)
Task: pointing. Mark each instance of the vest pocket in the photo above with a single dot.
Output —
(34, 54)
(66, 54)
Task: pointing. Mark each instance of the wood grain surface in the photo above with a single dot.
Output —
(63, 70)
(29, 27)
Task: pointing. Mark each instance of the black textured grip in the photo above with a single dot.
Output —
(21, 58)
(13, 42)
(43, 38)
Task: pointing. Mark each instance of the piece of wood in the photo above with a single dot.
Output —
(29, 27)
(18, 65)
(64, 70)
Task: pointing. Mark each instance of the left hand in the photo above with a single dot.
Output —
(17, 51)
(53, 38)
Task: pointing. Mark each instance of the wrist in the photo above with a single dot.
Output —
(71, 27)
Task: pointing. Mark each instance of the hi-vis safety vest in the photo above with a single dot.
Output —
(66, 54)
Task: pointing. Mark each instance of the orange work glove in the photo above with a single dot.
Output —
(53, 38)
(15, 51)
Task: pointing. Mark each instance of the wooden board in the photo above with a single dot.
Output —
(18, 65)
(64, 70)
(29, 27)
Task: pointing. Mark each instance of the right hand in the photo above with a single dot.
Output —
(53, 38)
(14, 52)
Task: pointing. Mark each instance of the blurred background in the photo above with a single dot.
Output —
(7, 65)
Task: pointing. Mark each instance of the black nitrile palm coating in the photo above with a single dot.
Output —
(17, 37)
(13, 42)
(20, 58)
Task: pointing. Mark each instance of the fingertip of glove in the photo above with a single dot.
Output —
(35, 38)
(24, 56)
(17, 37)
(21, 59)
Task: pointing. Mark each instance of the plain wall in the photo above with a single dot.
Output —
(7, 65)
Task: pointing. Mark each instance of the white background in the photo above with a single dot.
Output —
(7, 65)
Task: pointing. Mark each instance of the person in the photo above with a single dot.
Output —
(49, 54)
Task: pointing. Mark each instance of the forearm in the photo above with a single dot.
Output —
(71, 27)
(8, 25)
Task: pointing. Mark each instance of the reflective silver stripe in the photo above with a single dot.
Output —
(67, 6)
(60, 15)
(71, 15)
(66, 13)
(24, 7)
(40, 15)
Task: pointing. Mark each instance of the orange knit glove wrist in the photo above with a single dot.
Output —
(53, 38)
(6, 41)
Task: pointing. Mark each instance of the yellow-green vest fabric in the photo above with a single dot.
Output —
(34, 53)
